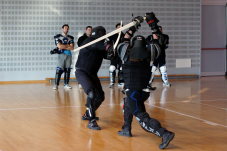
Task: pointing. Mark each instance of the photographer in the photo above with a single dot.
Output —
(65, 44)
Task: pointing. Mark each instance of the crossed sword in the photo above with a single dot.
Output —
(110, 34)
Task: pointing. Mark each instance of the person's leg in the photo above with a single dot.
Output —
(127, 116)
(89, 88)
(68, 63)
(136, 104)
(112, 71)
(59, 70)
(100, 95)
(120, 73)
(164, 76)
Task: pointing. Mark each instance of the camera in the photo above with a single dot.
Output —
(55, 50)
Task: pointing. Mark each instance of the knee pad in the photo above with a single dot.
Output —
(112, 68)
(59, 70)
(163, 69)
(67, 69)
(153, 68)
(91, 94)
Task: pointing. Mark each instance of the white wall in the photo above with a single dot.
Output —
(27, 28)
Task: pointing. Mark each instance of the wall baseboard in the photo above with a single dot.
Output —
(101, 78)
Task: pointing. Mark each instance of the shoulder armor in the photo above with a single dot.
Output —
(121, 49)
(71, 37)
(57, 36)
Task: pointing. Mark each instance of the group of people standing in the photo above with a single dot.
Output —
(132, 59)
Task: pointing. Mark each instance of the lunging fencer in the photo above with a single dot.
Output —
(136, 54)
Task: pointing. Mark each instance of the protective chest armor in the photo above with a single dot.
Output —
(136, 74)
(90, 60)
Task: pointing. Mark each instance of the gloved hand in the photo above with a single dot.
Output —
(110, 52)
(138, 20)
(151, 19)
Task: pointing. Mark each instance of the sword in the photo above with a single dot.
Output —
(108, 35)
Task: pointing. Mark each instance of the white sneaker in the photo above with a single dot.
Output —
(120, 84)
(67, 86)
(111, 85)
(167, 84)
(55, 87)
(80, 86)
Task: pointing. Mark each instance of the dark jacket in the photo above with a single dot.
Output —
(90, 58)
(81, 39)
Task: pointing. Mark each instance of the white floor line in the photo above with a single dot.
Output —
(193, 101)
(205, 121)
(198, 102)
(48, 107)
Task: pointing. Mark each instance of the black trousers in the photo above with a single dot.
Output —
(93, 88)
(117, 63)
(135, 102)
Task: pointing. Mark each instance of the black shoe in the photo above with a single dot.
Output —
(151, 88)
(122, 127)
(166, 138)
(125, 133)
(93, 125)
(84, 117)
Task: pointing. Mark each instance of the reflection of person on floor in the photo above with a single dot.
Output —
(163, 95)
(136, 69)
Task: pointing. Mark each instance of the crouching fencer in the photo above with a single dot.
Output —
(137, 53)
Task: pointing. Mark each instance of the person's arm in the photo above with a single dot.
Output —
(66, 47)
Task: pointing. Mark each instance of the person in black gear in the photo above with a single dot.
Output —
(116, 63)
(137, 57)
(161, 60)
(87, 66)
(85, 36)
(82, 38)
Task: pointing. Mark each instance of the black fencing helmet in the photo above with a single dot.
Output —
(139, 48)
(98, 32)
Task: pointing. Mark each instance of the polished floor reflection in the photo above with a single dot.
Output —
(34, 117)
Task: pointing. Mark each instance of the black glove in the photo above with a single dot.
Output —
(138, 20)
(151, 19)
(110, 52)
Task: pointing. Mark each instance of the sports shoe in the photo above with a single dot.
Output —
(150, 87)
(67, 86)
(166, 138)
(125, 133)
(80, 86)
(111, 85)
(93, 125)
(84, 117)
(120, 84)
(55, 87)
(167, 84)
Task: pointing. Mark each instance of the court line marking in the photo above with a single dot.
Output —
(205, 121)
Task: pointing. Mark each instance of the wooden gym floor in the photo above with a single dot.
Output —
(34, 117)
